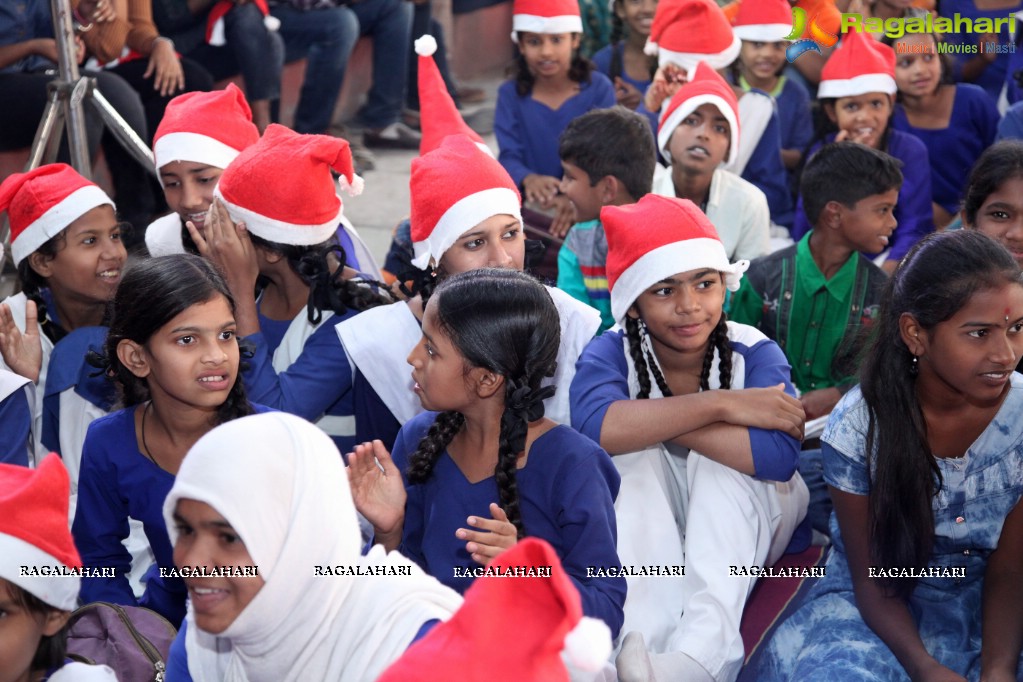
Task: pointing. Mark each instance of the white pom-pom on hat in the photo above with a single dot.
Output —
(588, 644)
(426, 45)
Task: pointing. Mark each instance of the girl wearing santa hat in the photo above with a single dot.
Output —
(708, 476)
(270, 492)
(282, 227)
(66, 244)
(552, 84)
(466, 215)
(174, 353)
(484, 451)
(35, 607)
(856, 94)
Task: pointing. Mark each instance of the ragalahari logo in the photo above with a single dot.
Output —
(818, 36)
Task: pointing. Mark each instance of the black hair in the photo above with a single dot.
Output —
(933, 282)
(944, 58)
(614, 141)
(328, 289)
(846, 172)
(187, 242)
(153, 292)
(735, 68)
(32, 283)
(579, 71)
(823, 126)
(52, 649)
(999, 163)
(646, 364)
(617, 67)
(506, 322)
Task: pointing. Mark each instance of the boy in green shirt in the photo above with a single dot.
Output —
(817, 298)
(608, 158)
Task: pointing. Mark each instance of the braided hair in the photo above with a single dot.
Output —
(32, 285)
(152, 293)
(646, 364)
(505, 322)
(328, 289)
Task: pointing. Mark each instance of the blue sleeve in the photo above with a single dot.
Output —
(799, 129)
(15, 425)
(913, 212)
(316, 380)
(177, 659)
(589, 535)
(423, 631)
(775, 453)
(602, 60)
(101, 523)
(601, 378)
(848, 474)
(373, 419)
(653, 117)
(766, 170)
(604, 91)
(508, 126)
(1011, 125)
(986, 117)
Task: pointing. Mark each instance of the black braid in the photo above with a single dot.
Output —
(32, 285)
(436, 440)
(505, 473)
(718, 341)
(617, 32)
(658, 377)
(636, 353)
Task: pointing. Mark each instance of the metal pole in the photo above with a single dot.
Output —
(68, 67)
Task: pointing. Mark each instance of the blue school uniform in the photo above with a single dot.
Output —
(913, 212)
(954, 149)
(602, 59)
(317, 385)
(118, 481)
(15, 418)
(993, 77)
(527, 131)
(566, 492)
(827, 637)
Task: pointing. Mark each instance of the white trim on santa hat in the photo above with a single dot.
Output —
(279, 231)
(665, 129)
(668, 260)
(530, 23)
(860, 85)
(193, 147)
(56, 219)
(462, 216)
(764, 33)
(689, 60)
(59, 591)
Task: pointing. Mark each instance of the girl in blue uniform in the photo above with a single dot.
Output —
(708, 476)
(15, 412)
(483, 467)
(925, 469)
(173, 350)
(624, 61)
(552, 85)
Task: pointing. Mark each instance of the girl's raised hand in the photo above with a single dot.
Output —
(22, 351)
(498, 535)
(666, 82)
(627, 94)
(765, 408)
(228, 246)
(378, 491)
(540, 188)
(564, 216)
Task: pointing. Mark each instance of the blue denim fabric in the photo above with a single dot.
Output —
(811, 468)
(827, 638)
(389, 22)
(325, 38)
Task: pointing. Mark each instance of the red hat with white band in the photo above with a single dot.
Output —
(686, 32)
(766, 21)
(546, 16)
(438, 115)
(859, 65)
(705, 87)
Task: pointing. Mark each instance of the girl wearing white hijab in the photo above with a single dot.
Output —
(270, 491)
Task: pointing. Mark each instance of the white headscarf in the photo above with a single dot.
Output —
(281, 484)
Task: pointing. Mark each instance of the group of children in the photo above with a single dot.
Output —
(647, 412)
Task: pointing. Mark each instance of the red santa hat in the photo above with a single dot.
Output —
(705, 87)
(454, 188)
(34, 531)
(205, 127)
(686, 32)
(438, 115)
(765, 21)
(859, 65)
(656, 238)
(215, 20)
(510, 629)
(545, 16)
(41, 203)
(282, 187)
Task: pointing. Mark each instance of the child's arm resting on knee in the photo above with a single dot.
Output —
(888, 616)
(1002, 628)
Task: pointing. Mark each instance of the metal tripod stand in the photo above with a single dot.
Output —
(64, 108)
